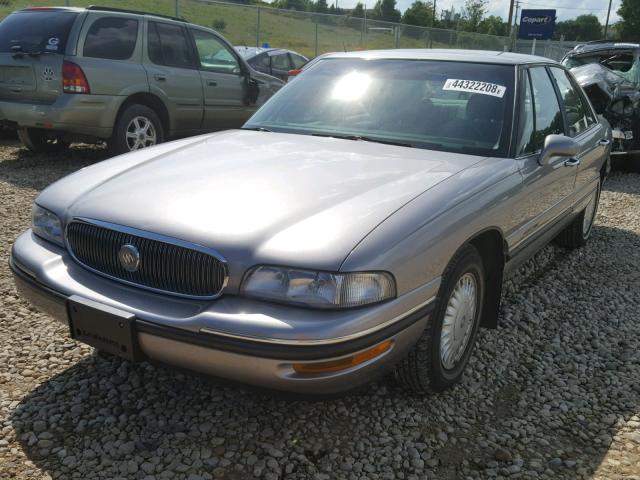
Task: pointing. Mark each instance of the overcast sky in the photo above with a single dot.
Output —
(565, 8)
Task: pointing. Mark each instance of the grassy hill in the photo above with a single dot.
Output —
(294, 30)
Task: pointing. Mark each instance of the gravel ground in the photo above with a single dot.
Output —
(553, 393)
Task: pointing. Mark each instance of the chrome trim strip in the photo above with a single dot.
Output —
(155, 237)
(327, 341)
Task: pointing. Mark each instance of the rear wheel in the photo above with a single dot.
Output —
(577, 233)
(42, 141)
(439, 358)
(137, 127)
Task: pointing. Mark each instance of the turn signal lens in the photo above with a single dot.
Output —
(73, 79)
(294, 72)
(343, 363)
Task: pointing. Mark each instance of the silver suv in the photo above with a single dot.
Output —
(130, 78)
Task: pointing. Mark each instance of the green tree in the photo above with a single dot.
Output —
(474, 11)
(629, 28)
(419, 13)
(386, 10)
(321, 6)
(493, 25)
(582, 28)
(358, 11)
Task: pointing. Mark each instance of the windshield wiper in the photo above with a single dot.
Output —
(256, 129)
(364, 138)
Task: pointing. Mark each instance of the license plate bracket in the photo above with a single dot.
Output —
(103, 327)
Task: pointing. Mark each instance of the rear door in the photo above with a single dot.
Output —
(32, 47)
(223, 82)
(280, 64)
(584, 127)
(173, 75)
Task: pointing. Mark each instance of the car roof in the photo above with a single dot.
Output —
(475, 56)
(249, 52)
(102, 9)
(599, 45)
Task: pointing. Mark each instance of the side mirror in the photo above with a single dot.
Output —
(251, 90)
(558, 146)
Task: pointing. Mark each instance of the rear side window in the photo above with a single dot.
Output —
(579, 116)
(280, 61)
(111, 37)
(168, 45)
(297, 60)
(36, 31)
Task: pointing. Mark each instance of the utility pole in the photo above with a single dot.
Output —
(515, 20)
(606, 25)
(433, 22)
(511, 17)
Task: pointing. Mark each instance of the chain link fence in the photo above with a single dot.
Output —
(310, 34)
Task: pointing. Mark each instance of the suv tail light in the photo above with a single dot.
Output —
(73, 79)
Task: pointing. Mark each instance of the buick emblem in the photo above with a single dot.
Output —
(129, 258)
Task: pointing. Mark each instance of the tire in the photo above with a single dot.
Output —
(137, 120)
(424, 370)
(42, 141)
(578, 232)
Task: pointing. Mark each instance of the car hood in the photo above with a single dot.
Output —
(257, 197)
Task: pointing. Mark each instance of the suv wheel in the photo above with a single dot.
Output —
(42, 141)
(137, 127)
(439, 358)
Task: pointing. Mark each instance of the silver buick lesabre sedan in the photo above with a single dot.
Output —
(361, 221)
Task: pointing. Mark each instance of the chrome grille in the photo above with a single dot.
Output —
(164, 266)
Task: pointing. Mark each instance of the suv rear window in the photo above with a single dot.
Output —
(111, 37)
(36, 30)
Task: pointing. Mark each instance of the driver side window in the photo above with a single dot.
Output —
(213, 54)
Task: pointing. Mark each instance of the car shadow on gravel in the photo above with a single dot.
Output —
(25, 169)
(550, 394)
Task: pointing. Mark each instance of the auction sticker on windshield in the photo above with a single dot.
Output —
(475, 86)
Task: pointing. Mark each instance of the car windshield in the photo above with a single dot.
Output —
(439, 105)
(36, 30)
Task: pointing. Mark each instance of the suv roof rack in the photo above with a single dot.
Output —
(136, 12)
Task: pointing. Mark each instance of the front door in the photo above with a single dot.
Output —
(173, 75)
(223, 82)
(547, 190)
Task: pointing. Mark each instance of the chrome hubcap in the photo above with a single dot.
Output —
(140, 133)
(589, 214)
(458, 321)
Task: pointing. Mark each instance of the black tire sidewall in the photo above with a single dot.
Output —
(34, 139)
(118, 143)
(469, 261)
(593, 220)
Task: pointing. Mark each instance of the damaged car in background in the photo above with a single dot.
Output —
(610, 75)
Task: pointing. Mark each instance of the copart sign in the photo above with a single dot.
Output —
(538, 24)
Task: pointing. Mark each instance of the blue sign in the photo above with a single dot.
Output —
(538, 24)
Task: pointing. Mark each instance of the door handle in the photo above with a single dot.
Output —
(160, 78)
(212, 83)
(572, 162)
(605, 142)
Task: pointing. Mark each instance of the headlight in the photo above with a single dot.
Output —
(319, 289)
(46, 225)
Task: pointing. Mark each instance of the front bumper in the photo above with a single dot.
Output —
(198, 335)
(92, 115)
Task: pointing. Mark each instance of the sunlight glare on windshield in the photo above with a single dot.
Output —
(351, 86)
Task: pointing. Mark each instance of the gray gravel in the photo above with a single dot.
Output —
(553, 393)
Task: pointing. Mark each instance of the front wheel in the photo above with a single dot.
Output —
(42, 141)
(137, 127)
(439, 358)
(578, 232)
